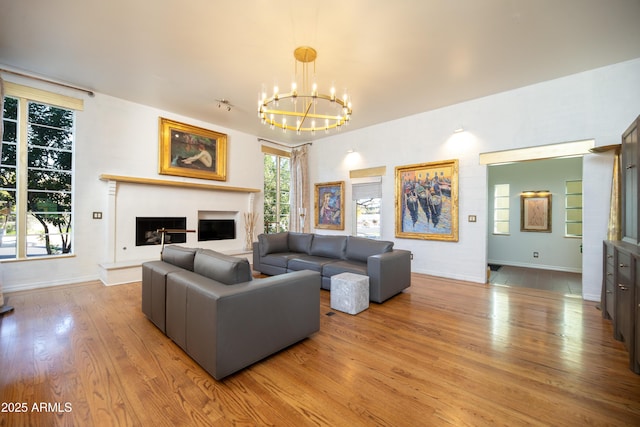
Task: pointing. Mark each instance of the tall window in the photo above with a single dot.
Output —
(573, 208)
(277, 183)
(501, 209)
(36, 179)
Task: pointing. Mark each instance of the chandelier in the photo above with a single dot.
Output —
(304, 109)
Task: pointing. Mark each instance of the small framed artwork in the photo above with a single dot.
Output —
(192, 151)
(427, 201)
(329, 205)
(535, 211)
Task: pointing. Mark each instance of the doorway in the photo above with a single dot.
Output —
(547, 259)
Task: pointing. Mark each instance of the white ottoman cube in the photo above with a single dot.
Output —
(350, 292)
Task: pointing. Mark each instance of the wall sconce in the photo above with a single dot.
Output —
(459, 130)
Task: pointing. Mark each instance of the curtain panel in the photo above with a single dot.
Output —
(614, 227)
(300, 212)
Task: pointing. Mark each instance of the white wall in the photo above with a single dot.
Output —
(597, 104)
(119, 137)
(556, 252)
(114, 136)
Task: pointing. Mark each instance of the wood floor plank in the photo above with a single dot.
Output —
(444, 352)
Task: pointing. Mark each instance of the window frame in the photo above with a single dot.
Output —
(26, 95)
(506, 209)
(279, 155)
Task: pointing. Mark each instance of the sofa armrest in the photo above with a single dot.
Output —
(389, 273)
(230, 327)
(154, 285)
(256, 257)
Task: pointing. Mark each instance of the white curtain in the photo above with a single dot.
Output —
(300, 212)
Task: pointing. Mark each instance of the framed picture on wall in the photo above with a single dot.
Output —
(192, 152)
(427, 201)
(329, 205)
(535, 211)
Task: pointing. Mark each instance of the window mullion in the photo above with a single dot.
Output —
(22, 181)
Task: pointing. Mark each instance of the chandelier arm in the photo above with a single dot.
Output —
(304, 116)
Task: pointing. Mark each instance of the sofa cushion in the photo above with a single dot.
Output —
(300, 242)
(179, 256)
(328, 246)
(278, 260)
(359, 248)
(222, 268)
(309, 262)
(273, 243)
(339, 267)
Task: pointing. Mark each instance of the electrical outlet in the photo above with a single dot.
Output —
(472, 218)
(97, 215)
(536, 254)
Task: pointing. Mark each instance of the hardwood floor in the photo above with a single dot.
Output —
(443, 352)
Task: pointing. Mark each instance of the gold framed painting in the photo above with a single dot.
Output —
(535, 211)
(329, 205)
(192, 152)
(427, 201)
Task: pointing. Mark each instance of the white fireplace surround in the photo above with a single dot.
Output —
(131, 197)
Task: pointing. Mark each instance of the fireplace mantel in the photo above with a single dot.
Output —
(168, 183)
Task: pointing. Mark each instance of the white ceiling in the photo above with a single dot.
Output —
(396, 58)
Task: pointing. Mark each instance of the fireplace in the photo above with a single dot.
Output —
(147, 230)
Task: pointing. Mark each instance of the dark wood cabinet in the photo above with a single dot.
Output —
(623, 327)
(608, 300)
(621, 296)
(620, 299)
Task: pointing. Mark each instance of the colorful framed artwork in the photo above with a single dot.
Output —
(192, 151)
(535, 211)
(329, 205)
(427, 201)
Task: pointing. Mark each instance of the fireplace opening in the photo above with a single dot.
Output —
(216, 229)
(147, 230)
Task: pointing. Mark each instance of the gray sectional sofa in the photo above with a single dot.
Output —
(389, 269)
(209, 304)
